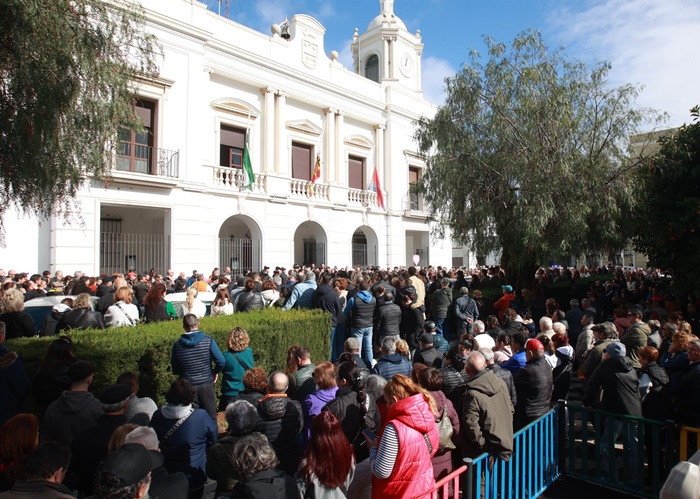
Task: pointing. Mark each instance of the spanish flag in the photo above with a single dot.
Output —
(317, 170)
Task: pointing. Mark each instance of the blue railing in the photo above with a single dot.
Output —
(624, 453)
(533, 467)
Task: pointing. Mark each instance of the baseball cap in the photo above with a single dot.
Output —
(508, 288)
(131, 463)
(426, 338)
(616, 349)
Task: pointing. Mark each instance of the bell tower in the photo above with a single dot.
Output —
(386, 52)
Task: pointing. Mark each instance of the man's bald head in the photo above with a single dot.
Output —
(119, 282)
(277, 382)
(475, 363)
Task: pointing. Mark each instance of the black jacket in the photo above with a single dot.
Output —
(411, 325)
(325, 298)
(356, 411)
(270, 484)
(387, 319)
(507, 377)
(246, 301)
(657, 402)
(428, 356)
(17, 324)
(533, 384)
(689, 401)
(81, 318)
(618, 379)
(280, 419)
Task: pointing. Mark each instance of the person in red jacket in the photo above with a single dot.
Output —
(401, 459)
(504, 301)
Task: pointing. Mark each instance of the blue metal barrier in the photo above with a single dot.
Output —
(638, 466)
(533, 467)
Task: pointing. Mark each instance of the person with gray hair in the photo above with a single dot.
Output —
(503, 374)
(546, 327)
(301, 295)
(439, 303)
(163, 484)
(241, 417)
(374, 386)
(466, 312)
(390, 362)
(255, 461)
(486, 412)
(603, 334)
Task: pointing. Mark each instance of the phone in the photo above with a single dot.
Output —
(369, 434)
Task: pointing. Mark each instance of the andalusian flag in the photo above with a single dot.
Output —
(248, 175)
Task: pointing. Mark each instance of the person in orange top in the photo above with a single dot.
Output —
(504, 301)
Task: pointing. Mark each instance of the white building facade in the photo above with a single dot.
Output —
(177, 198)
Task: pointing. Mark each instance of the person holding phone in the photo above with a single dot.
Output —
(401, 459)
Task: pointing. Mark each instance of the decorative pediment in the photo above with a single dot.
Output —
(358, 141)
(235, 106)
(304, 126)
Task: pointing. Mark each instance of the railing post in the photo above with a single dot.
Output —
(468, 479)
(561, 433)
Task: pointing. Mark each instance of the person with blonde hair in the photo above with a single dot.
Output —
(238, 359)
(193, 305)
(18, 323)
(401, 458)
(123, 312)
(82, 316)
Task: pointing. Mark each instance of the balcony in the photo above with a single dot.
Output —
(232, 179)
(307, 189)
(139, 158)
(139, 164)
(413, 206)
(362, 197)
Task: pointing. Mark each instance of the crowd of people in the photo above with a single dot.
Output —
(423, 370)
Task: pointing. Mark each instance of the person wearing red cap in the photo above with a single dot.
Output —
(533, 385)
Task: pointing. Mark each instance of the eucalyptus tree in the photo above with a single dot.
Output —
(66, 74)
(529, 155)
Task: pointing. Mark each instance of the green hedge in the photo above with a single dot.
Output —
(146, 347)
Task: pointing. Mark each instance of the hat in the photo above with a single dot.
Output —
(508, 288)
(426, 338)
(113, 394)
(131, 463)
(132, 274)
(533, 344)
(80, 370)
(107, 280)
(616, 349)
(464, 290)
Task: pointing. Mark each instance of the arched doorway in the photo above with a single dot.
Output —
(310, 244)
(240, 245)
(364, 247)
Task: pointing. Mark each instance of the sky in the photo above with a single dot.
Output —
(654, 44)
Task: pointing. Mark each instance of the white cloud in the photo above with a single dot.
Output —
(433, 72)
(345, 54)
(648, 42)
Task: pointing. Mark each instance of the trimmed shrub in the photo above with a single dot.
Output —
(146, 348)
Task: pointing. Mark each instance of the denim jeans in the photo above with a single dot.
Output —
(438, 325)
(334, 348)
(364, 336)
(616, 426)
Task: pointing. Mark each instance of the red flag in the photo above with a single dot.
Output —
(376, 187)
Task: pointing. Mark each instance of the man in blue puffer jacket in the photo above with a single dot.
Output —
(191, 359)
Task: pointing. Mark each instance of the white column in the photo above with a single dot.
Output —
(282, 157)
(419, 79)
(268, 135)
(385, 62)
(328, 169)
(379, 156)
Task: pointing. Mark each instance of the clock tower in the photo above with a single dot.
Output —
(387, 53)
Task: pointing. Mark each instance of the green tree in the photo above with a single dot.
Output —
(66, 68)
(668, 218)
(528, 156)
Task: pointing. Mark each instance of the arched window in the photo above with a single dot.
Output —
(372, 68)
